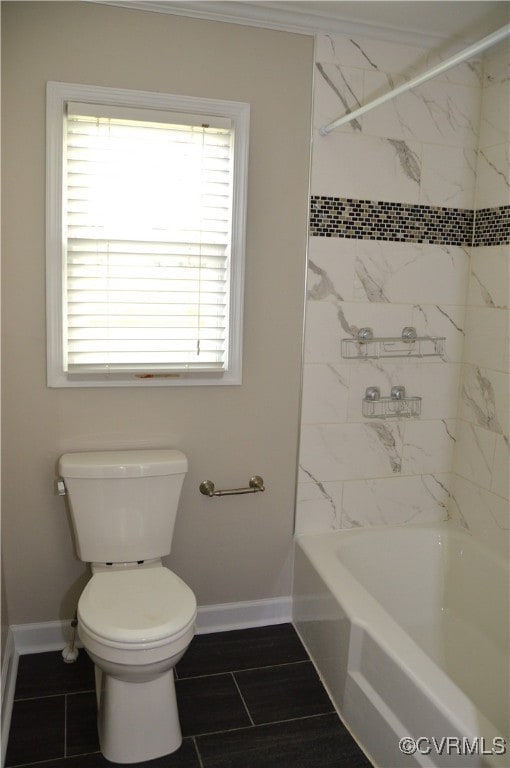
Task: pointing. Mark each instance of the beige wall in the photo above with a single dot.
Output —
(227, 549)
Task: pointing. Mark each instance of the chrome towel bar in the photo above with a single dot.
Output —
(256, 484)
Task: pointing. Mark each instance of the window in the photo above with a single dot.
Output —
(145, 237)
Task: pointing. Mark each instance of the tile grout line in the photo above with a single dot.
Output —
(65, 725)
(54, 695)
(51, 761)
(243, 669)
(197, 750)
(237, 728)
(242, 698)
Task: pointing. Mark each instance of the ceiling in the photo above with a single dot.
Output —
(417, 21)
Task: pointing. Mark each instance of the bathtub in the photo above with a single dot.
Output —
(409, 629)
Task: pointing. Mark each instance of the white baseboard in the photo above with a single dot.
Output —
(54, 635)
(253, 613)
(9, 671)
(41, 637)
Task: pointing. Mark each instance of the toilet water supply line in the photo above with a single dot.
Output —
(458, 58)
(70, 652)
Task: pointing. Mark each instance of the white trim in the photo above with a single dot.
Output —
(308, 21)
(41, 637)
(9, 671)
(253, 613)
(54, 635)
(58, 93)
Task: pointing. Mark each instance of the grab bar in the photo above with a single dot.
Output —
(256, 484)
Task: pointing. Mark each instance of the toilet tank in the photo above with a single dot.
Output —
(123, 504)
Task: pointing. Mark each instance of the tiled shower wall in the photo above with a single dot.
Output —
(393, 195)
(480, 490)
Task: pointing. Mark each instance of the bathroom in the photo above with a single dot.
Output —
(237, 553)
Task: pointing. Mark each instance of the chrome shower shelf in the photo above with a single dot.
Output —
(409, 344)
(397, 405)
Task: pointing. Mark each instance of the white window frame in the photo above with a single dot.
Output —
(58, 95)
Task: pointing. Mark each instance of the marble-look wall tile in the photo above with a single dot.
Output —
(366, 167)
(484, 514)
(497, 65)
(482, 461)
(367, 53)
(448, 176)
(428, 446)
(474, 455)
(426, 137)
(489, 279)
(434, 113)
(493, 180)
(487, 337)
(468, 73)
(495, 114)
(442, 320)
(408, 273)
(395, 501)
(332, 452)
(501, 468)
(337, 89)
(484, 399)
(404, 60)
(331, 264)
(325, 393)
(323, 330)
(419, 149)
(318, 507)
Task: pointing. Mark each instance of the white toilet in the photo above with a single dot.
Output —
(135, 617)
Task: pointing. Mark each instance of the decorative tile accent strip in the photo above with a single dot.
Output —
(405, 222)
(492, 226)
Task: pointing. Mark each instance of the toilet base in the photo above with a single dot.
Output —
(137, 721)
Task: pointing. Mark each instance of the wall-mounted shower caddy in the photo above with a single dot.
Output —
(408, 344)
(397, 404)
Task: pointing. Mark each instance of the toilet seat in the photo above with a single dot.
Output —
(137, 608)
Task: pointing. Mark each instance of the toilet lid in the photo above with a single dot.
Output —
(141, 605)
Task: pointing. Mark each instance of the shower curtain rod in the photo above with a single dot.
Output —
(467, 53)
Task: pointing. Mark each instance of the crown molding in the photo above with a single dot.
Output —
(269, 16)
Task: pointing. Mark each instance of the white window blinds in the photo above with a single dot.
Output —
(147, 239)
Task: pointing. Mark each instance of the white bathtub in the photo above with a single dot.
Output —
(409, 629)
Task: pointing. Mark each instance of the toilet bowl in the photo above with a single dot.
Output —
(136, 618)
(135, 624)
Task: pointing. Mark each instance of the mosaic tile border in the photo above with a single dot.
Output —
(492, 226)
(406, 222)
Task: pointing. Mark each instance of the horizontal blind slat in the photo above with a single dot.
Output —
(148, 229)
(133, 334)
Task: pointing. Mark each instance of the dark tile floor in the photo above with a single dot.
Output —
(247, 699)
